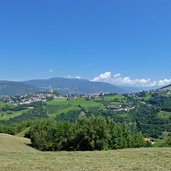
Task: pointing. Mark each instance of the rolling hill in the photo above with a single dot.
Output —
(15, 155)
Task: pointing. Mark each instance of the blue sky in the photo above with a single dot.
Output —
(51, 38)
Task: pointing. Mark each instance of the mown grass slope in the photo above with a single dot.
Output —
(15, 155)
(12, 144)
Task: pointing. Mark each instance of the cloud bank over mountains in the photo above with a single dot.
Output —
(118, 79)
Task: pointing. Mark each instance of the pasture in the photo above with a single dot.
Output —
(16, 155)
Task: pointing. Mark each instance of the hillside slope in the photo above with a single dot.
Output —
(9, 143)
(80, 86)
(15, 155)
(63, 85)
(12, 88)
(168, 87)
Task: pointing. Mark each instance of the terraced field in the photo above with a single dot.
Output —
(64, 105)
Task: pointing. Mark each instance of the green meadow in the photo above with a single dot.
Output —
(16, 155)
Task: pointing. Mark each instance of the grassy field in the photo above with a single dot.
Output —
(62, 105)
(59, 106)
(12, 144)
(86, 104)
(164, 115)
(4, 104)
(111, 100)
(10, 114)
(15, 156)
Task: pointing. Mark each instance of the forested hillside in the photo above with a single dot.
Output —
(146, 113)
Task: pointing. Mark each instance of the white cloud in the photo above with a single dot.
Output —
(78, 77)
(164, 82)
(134, 82)
(118, 79)
(103, 77)
(117, 75)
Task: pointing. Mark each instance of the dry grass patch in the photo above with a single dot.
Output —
(20, 157)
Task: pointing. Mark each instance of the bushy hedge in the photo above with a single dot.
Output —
(87, 133)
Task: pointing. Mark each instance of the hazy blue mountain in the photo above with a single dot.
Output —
(64, 86)
(134, 89)
(15, 88)
(80, 86)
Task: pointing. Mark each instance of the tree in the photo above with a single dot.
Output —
(91, 133)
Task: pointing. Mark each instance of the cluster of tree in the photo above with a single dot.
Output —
(161, 100)
(157, 99)
(147, 121)
(16, 128)
(70, 116)
(87, 133)
(12, 108)
(169, 141)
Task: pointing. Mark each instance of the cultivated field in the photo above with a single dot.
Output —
(16, 156)
(62, 105)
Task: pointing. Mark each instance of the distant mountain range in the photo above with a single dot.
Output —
(80, 86)
(15, 88)
(63, 85)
